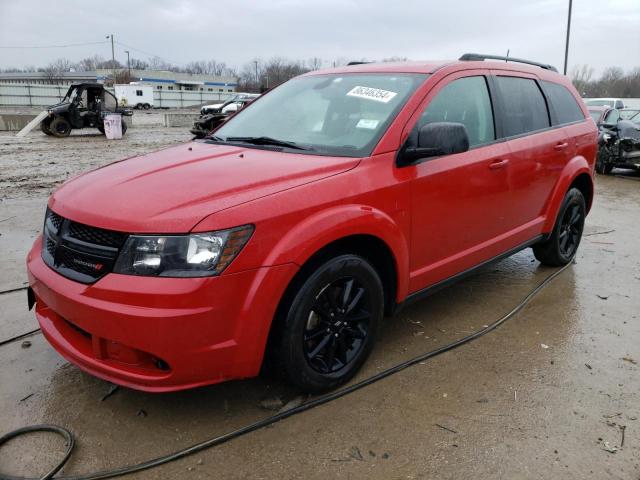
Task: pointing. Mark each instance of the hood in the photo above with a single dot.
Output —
(171, 190)
(59, 107)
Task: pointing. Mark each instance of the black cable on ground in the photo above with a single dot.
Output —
(63, 432)
(13, 290)
(321, 400)
(18, 337)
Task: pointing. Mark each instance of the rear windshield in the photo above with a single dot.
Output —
(342, 115)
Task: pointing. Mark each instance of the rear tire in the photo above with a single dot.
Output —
(330, 324)
(138, 106)
(560, 248)
(59, 127)
(146, 106)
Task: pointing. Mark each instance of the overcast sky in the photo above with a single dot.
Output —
(604, 32)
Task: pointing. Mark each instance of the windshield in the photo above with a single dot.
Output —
(71, 95)
(630, 114)
(343, 115)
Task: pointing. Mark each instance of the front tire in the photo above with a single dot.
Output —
(59, 127)
(44, 126)
(603, 166)
(331, 324)
(560, 248)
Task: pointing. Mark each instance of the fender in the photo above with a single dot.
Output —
(576, 166)
(329, 225)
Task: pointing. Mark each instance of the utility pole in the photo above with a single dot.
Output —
(128, 63)
(113, 59)
(566, 47)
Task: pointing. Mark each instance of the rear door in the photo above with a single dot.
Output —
(538, 151)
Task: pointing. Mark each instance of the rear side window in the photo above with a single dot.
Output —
(564, 104)
(524, 108)
(465, 101)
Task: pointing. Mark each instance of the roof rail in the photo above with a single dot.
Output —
(481, 56)
(356, 63)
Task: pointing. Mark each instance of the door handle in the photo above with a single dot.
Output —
(561, 146)
(498, 164)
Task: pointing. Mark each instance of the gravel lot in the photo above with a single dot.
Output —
(33, 166)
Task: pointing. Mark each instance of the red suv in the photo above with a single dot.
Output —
(295, 227)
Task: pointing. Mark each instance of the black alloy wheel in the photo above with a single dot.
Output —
(570, 230)
(328, 323)
(337, 326)
(561, 246)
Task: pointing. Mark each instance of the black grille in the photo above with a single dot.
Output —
(56, 220)
(98, 236)
(77, 251)
(51, 246)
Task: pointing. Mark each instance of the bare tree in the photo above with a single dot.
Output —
(581, 77)
(90, 63)
(612, 83)
(156, 63)
(137, 64)
(314, 63)
(53, 72)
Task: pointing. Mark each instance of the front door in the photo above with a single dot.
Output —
(458, 201)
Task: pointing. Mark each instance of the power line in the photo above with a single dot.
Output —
(52, 46)
(147, 53)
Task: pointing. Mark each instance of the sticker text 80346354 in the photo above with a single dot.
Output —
(375, 94)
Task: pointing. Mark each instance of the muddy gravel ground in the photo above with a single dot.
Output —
(35, 165)
(550, 394)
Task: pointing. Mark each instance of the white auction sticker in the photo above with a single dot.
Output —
(367, 123)
(369, 93)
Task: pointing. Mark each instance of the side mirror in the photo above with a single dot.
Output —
(435, 139)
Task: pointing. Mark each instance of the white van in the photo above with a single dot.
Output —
(135, 95)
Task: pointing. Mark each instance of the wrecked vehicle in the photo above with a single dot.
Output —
(618, 146)
(84, 106)
(228, 106)
(209, 121)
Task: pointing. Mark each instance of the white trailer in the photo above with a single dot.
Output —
(134, 95)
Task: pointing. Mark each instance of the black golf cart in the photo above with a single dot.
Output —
(84, 106)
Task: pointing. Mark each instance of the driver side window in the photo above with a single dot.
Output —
(467, 101)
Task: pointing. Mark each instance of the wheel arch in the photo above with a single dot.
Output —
(357, 229)
(576, 173)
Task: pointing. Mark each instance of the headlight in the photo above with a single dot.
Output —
(195, 255)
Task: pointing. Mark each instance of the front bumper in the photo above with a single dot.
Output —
(159, 334)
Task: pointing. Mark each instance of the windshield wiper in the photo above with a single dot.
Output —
(214, 138)
(266, 141)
